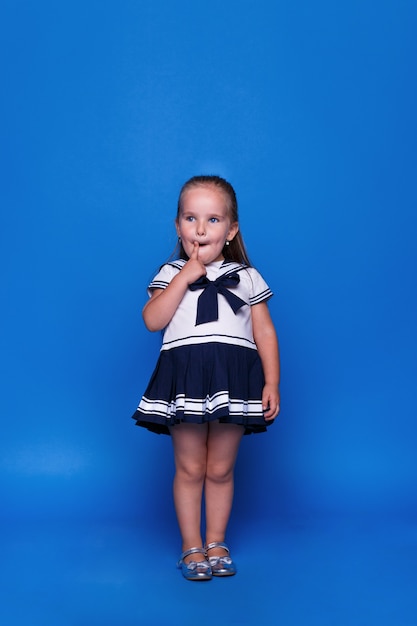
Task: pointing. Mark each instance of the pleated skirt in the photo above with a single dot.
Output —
(201, 383)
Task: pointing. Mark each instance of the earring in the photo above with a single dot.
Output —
(227, 243)
(179, 239)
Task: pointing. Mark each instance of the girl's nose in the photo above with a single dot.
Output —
(201, 230)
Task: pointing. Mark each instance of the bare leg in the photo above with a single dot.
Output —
(222, 447)
(190, 453)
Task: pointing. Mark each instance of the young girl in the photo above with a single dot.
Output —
(217, 377)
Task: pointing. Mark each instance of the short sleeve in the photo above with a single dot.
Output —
(163, 277)
(259, 290)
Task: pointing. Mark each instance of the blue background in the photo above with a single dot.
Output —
(309, 110)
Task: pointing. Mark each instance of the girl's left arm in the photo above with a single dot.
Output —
(267, 343)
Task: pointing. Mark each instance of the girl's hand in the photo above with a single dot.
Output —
(163, 303)
(194, 268)
(270, 401)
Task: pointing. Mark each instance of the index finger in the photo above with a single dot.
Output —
(194, 253)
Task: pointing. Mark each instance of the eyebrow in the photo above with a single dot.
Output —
(210, 215)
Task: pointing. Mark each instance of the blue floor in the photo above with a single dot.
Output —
(303, 572)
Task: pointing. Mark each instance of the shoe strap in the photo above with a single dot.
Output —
(217, 544)
(192, 551)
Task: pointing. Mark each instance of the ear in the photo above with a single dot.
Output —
(233, 231)
(177, 227)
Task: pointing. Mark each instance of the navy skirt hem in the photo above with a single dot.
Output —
(160, 428)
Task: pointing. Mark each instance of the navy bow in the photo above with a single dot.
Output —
(207, 305)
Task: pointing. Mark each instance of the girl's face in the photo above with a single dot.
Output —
(204, 218)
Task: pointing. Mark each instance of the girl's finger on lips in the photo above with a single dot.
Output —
(194, 254)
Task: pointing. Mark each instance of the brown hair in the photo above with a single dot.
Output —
(236, 250)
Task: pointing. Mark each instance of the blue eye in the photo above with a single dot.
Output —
(213, 220)
(190, 218)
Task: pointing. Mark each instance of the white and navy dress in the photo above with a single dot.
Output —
(208, 368)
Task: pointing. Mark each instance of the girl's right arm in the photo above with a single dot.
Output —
(160, 308)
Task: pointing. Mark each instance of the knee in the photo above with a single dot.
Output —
(219, 472)
(191, 471)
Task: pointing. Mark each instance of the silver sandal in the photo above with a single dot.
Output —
(195, 570)
(221, 565)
